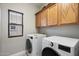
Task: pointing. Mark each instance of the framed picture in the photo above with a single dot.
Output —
(15, 23)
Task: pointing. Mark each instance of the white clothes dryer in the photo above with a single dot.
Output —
(34, 44)
(60, 46)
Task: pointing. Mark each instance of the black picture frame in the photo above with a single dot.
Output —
(12, 26)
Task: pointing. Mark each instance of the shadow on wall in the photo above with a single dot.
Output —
(64, 30)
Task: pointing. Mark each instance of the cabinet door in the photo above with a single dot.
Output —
(52, 15)
(68, 13)
(38, 20)
(44, 18)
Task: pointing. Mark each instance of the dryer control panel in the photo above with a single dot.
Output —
(64, 48)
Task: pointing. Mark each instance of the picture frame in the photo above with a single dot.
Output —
(15, 24)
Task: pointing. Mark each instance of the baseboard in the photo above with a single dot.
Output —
(22, 53)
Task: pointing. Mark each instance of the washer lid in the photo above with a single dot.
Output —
(71, 42)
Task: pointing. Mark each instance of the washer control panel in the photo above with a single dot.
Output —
(64, 48)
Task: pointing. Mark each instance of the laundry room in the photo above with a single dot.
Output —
(39, 29)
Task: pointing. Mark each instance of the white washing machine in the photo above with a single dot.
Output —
(60, 46)
(34, 44)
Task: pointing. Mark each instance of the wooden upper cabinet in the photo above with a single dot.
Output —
(52, 15)
(68, 13)
(44, 18)
(41, 18)
(57, 14)
(38, 20)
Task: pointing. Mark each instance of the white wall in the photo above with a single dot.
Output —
(0, 30)
(41, 6)
(17, 44)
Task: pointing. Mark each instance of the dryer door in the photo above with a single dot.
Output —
(28, 45)
(49, 52)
